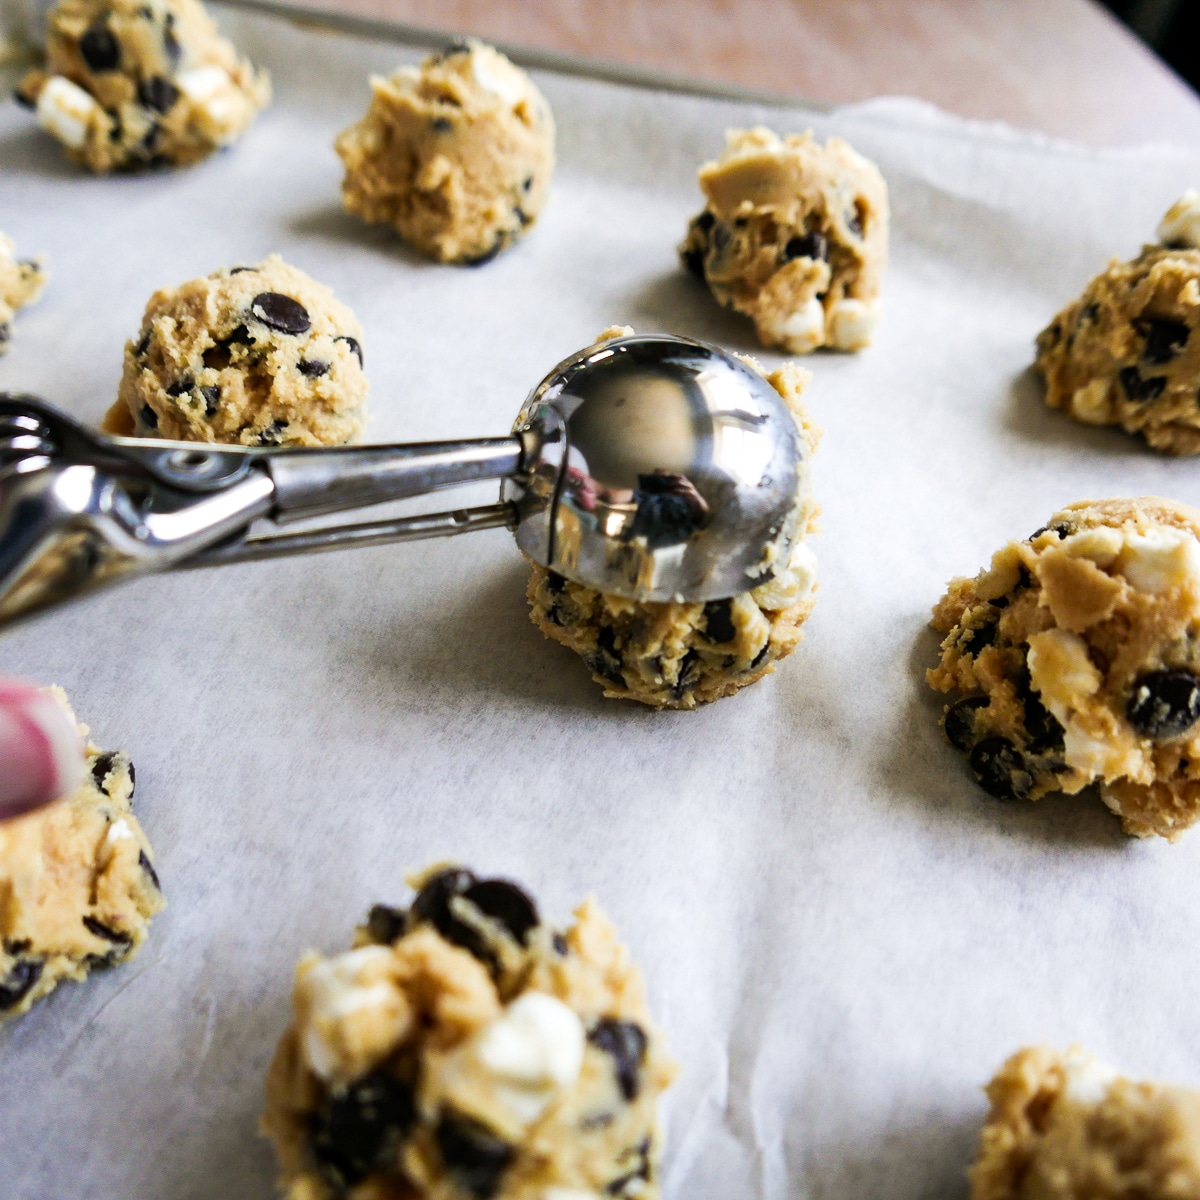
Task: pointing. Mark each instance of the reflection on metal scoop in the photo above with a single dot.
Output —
(656, 468)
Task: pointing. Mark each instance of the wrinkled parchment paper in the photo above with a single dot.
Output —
(842, 935)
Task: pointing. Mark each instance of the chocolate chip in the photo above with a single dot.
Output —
(441, 124)
(693, 261)
(181, 386)
(687, 673)
(280, 312)
(505, 903)
(1000, 769)
(100, 930)
(432, 902)
(487, 255)
(17, 946)
(458, 46)
(100, 49)
(669, 509)
(522, 216)
(974, 640)
(1139, 389)
(1089, 312)
(757, 661)
(474, 1157)
(312, 368)
(147, 866)
(353, 344)
(212, 400)
(1042, 726)
(240, 270)
(239, 337)
(718, 621)
(273, 434)
(606, 662)
(560, 945)
(23, 100)
(1164, 339)
(158, 94)
(360, 1130)
(170, 42)
(854, 221)
(19, 981)
(811, 245)
(1164, 704)
(621, 1185)
(527, 183)
(5, 332)
(959, 721)
(1060, 529)
(555, 583)
(149, 417)
(625, 1041)
(704, 221)
(143, 344)
(720, 236)
(386, 924)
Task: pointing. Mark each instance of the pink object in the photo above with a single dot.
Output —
(41, 754)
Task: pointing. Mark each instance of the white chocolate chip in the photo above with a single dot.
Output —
(1181, 225)
(522, 1059)
(331, 992)
(1160, 559)
(1061, 671)
(1087, 1079)
(851, 324)
(800, 331)
(791, 584)
(119, 831)
(1090, 403)
(567, 1193)
(497, 75)
(1101, 545)
(65, 110)
(201, 82)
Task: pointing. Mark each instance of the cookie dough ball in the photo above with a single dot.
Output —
(465, 1048)
(795, 235)
(254, 356)
(21, 283)
(1078, 653)
(1126, 352)
(456, 156)
(77, 883)
(137, 83)
(675, 655)
(1069, 1127)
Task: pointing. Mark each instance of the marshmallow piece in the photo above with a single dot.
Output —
(525, 1057)
(802, 331)
(65, 110)
(1181, 224)
(852, 323)
(1160, 559)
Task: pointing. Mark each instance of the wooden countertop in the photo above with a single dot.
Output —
(1066, 67)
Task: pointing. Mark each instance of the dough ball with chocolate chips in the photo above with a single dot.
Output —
(77, 882)
(464, 1048)
(795, 235)
(455, 155)
(1077, 653)
(1068, 1126)
(137, 83)
(254, 356)
(678, 655)
(21, 283)
(1127, 351)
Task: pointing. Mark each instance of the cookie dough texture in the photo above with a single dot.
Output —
(139, 83)
(21, 283)
(676, 655)
(464, 1049)
(1127, 352)
(455, 155)
(795, 235)
(78, 887)
(1078, 656)
(1069, 1127)
(254, 356)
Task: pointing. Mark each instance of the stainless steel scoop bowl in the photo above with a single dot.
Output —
(656, 468)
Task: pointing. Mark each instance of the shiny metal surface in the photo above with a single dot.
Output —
(676, 474)
(653, 467)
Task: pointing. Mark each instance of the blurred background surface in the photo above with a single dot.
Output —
(1071, 68)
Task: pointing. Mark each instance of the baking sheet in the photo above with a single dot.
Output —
(843, 937)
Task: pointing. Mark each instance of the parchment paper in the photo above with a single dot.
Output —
(843, 936)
